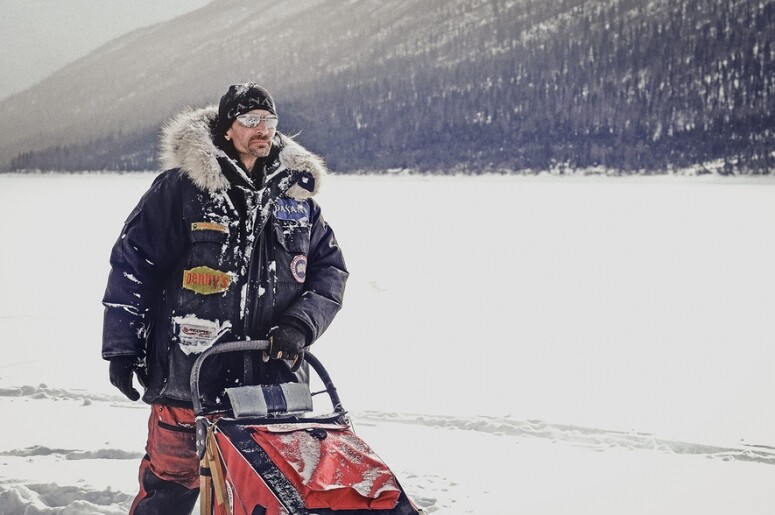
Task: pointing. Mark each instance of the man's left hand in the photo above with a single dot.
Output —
(286, 342)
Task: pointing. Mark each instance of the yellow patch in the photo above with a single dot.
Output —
(205, 280)
(209, 226)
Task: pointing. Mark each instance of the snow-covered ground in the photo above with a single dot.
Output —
(508, 344)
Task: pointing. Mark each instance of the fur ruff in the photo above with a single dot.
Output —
(187, 144)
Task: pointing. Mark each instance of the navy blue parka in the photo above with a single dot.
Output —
(208, 256)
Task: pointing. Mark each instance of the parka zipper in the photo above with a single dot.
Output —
(254, 297)
(255, 263)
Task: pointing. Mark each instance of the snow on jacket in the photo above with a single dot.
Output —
(207, 257)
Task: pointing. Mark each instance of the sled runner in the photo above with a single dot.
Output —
(264, 452)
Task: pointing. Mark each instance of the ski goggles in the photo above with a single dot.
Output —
(254, 120)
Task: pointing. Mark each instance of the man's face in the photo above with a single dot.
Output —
(253, 142)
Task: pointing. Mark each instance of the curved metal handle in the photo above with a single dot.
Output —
(257, 345)
(322, 373)
(221, 348)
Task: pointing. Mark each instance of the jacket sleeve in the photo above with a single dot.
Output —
(325, 279)
(150, 241)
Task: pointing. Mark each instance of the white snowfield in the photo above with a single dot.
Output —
(540, 345)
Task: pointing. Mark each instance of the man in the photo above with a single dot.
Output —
(227, 244)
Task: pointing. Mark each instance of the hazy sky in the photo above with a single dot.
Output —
(38, 37)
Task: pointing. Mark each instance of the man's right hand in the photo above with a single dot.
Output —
(121, 370)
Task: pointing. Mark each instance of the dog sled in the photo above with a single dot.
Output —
(264, 451)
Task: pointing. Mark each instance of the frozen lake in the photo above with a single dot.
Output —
(623, 304)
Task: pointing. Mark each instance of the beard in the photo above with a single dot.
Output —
(260, 147)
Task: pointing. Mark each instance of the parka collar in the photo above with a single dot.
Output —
(187, 144)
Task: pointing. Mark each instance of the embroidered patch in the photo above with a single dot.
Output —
(205, 280)
(299, 268)
(196, 335)
(209, 226)
(290, 209)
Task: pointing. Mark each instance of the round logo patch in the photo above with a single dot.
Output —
(299, 268)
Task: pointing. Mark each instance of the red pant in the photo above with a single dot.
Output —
(169, 472)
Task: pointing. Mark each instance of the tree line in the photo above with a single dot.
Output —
(629, 85)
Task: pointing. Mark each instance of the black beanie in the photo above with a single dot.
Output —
(240, 99)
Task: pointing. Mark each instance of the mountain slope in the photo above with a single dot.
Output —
(431, 84)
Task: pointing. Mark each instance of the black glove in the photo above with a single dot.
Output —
(286, 342)
(121, 370)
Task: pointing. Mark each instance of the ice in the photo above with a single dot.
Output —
(508, 344)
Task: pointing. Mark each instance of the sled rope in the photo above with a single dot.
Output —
(216, 481)
(205, 484)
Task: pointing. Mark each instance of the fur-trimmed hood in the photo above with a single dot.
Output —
(187, 144)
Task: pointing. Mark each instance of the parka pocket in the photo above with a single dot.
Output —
(293, 236)
(291, 256)
(209, 266)
(208, 245)
(171, 445)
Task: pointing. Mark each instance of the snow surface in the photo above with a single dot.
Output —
(508, 344)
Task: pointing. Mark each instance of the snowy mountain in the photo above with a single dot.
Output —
(430, 84)
(38, 37)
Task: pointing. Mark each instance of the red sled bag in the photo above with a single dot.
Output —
(267, 457)
(329, 466)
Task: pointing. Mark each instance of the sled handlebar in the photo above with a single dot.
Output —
(256, 345)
